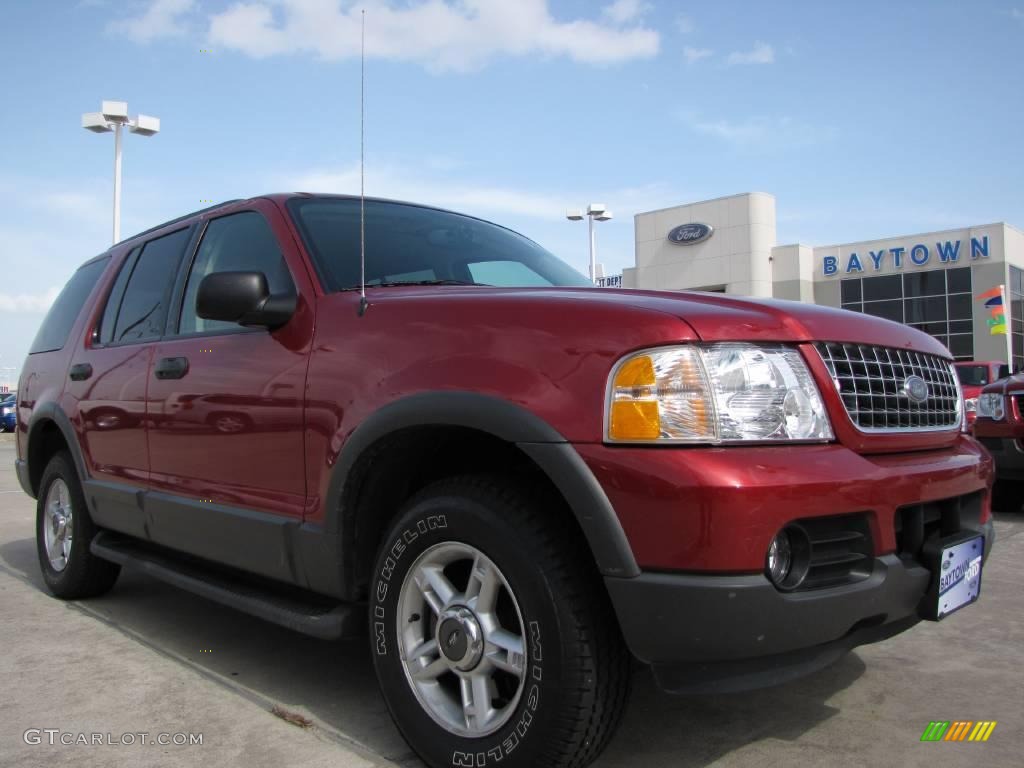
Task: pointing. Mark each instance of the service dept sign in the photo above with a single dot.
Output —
(690, 234)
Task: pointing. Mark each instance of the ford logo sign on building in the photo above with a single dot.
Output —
(690, 234)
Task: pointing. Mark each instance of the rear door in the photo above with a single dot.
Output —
(225, 403)
(109, 374)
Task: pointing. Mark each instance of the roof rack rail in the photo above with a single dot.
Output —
(180, 218)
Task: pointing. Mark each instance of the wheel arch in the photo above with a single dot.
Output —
(49, 431)
(461, 426)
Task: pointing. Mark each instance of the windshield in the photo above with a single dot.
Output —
(973, 375)
(407, 244)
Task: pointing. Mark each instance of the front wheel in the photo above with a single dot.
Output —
(492, 637)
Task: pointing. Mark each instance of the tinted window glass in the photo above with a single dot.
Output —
(402, 239)
(850, 290)
(423, 275)
(925, 310)
(888, 287)
(925, 283)
(973, 375)
(960, 307)
(890, 310)
(505, 273)
(962, 346)
(144, 306)
(959, 280)
(53, 333)
(242, 242)
(109, 321)
(935, 329)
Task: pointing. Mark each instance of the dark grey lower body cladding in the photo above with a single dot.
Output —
(295, 609)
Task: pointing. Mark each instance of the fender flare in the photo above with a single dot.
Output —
(543, 444)
(51, 411)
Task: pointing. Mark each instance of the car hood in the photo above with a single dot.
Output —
(1010, 385)
(719, 317)
(712, 316)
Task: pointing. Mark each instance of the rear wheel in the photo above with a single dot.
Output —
(64, 531)
(492, 636)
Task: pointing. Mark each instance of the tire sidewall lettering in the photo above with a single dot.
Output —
(507, 744)
(387, 570)
(521, 739)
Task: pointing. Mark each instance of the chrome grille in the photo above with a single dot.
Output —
(870, 380)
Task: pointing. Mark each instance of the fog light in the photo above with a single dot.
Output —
(780, 558)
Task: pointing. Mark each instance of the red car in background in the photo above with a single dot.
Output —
(974, 376)
(1000, 426)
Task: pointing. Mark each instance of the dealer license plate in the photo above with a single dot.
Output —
(960, 575)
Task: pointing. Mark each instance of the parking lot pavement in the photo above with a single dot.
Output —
(149, 658)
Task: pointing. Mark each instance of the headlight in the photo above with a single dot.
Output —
(6, 410)
(721, 393)
(971, 404)
(990, 405)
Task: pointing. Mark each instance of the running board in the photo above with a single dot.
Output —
(290, 607)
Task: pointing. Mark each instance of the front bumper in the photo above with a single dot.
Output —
(706, 633)
(699, 522)
(1008, 454)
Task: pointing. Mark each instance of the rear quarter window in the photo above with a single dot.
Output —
(53, 333)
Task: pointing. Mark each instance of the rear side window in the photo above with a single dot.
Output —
(105, 333)
(144, 306)
(53, 333)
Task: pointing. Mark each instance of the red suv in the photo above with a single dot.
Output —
(1000, 425)
(974, 376)
(514, 480)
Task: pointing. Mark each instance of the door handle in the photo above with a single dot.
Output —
(80, 372)
(171, 368)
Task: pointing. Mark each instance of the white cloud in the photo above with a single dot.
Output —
(439, 34)
(28, 302)
(761, 131)
(685, 24)
(163, 18)
(624, 11)
(696, 54)
(87, 207)
(397, 183)
(761, 53)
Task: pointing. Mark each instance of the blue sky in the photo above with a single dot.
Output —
(863, 119)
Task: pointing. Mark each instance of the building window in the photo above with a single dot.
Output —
(1015, 295)
(936, 301)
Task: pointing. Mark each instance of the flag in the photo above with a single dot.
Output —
(997, 291)
(995, 302)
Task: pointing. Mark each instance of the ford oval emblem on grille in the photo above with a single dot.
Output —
(916, 389)
(690, 234)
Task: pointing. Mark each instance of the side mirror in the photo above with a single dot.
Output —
(243, 298)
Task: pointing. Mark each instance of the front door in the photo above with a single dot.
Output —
(225, 405)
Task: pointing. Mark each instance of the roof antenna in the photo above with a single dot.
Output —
(363, 304)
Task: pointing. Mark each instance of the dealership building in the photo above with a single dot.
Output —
(930, 281)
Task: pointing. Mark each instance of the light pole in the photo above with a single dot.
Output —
(113, 117)
(594, 211)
